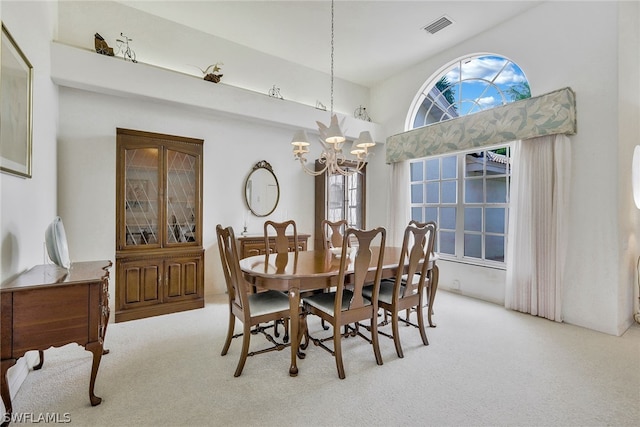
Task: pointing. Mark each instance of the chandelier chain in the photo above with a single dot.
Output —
(332, 15)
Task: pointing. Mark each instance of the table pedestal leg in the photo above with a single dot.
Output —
(294, 310)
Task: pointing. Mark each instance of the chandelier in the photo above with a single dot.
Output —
(332, 141)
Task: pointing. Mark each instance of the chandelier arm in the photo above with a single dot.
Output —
(309, 171)
(359, 166)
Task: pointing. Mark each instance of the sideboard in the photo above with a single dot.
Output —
(49, 306)
(254, 244)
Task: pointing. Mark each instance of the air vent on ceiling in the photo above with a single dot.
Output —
(438, 24)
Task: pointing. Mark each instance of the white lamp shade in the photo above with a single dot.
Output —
(364, 140)
(300, 139)
(635, 175)
(333, 134)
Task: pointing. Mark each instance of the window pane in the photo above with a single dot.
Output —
(416, 171)
(494, 220)
(447, 242)
(473, 245)
(473, 219)
(433, 169)
(494, 249)
(431, 214)
(497, 190)
(449, 191)
(474, 164)
(473, 191)
(416, 213)
(433, 192)
(449, 167)
(416, 193)
(448, 218)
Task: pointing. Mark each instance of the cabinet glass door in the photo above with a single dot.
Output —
(181, 197)
(141, 196)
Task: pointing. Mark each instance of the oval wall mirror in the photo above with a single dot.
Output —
(261, 189)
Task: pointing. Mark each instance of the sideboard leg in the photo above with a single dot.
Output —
(39, 365)
(96, 349)
(4, 390)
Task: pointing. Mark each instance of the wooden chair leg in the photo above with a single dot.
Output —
(275, 329)
(337, 349)
(246, 338)
(423, 333)
(396, 333)
(374, 339)
(227, 343)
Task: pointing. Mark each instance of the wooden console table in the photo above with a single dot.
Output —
(254, 244)
(49, 306)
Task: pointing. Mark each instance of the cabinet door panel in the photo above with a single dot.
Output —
(183, 278)
(141, 284)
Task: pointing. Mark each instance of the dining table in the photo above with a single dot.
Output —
(304, 271)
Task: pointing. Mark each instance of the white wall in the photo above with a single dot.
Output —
(27, 206)
(232, 146)
(173, 46)
(566, 51)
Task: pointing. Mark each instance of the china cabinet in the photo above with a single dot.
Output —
(159, 254)
(339, 197)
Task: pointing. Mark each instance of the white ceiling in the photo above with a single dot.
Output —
(373, 39)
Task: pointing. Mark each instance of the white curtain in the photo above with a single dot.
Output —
(538, 225)
(399, 203)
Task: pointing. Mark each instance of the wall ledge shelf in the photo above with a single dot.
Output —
(87, 70)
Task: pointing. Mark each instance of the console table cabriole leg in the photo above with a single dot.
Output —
(96, 349)
(4, 390)
(41, 362)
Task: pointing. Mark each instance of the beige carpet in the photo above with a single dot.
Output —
(485, 366)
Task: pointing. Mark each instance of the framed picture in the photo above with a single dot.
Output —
(16, 85)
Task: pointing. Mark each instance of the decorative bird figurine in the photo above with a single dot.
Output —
(214, 75)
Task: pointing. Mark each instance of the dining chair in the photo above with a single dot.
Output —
(344, 307)
(405, 291)
(332, 232)
(252, 309)
(278, 230)
(431, 285)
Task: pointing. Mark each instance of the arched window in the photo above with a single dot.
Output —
(467, 193)
(467, 86)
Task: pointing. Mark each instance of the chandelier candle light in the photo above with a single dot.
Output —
(332, 141)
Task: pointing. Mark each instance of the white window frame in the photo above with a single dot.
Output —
(460, 205)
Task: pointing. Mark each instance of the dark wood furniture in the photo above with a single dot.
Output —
(405, 292)
(250, 308)
(159, 253)
(307, 271)
(255, 245)
(49, 306)
(344, 307)
(339, 197)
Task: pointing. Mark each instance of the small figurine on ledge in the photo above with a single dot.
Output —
(101, 46)
(214, 75)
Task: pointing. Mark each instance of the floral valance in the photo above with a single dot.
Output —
(553, 113)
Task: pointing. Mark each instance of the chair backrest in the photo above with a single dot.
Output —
(370, 244)
(237, 287)
(332, 233)
(417, 246)
(281, 239)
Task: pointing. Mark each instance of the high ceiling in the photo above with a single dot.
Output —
(373, 39)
